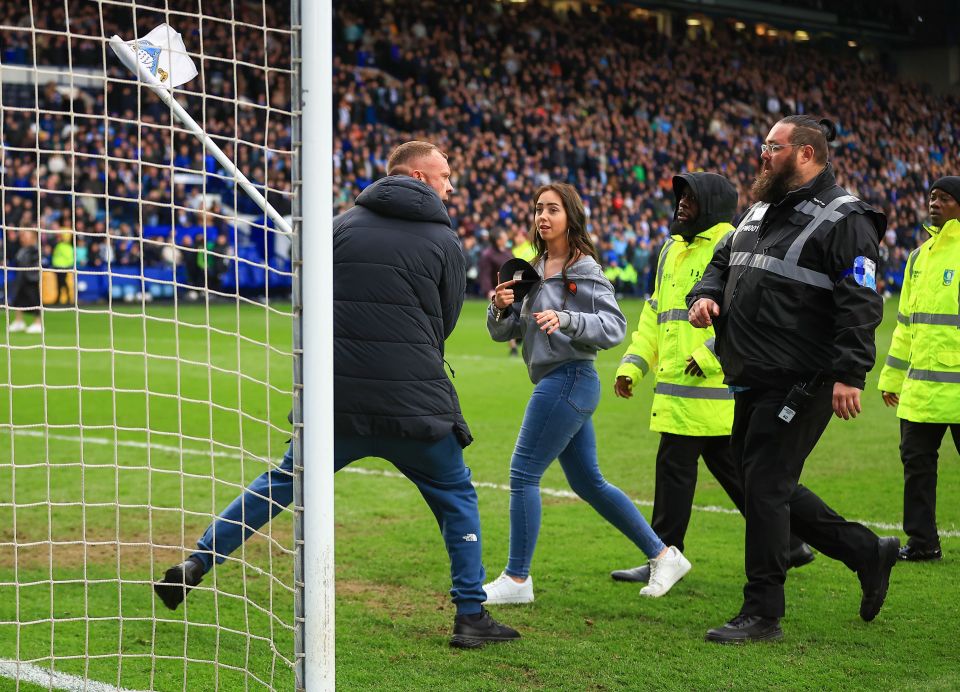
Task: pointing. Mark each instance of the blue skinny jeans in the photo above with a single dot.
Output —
(558, 425)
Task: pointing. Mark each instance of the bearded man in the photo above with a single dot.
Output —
(792, 296)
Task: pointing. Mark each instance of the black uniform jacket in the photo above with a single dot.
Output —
(398, 285)
(796, 290)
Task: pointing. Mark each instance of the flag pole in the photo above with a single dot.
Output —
(150, 80)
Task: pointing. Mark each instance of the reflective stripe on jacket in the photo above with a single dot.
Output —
(682, 404)
(796, 289)
(923, 364)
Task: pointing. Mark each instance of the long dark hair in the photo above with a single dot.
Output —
(577, 237)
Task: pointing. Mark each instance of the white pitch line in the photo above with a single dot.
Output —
(552, 492)
(47, 679)
(569, 494)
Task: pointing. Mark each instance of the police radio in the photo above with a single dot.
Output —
(798, 397)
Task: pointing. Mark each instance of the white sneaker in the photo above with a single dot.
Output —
(665, 572)
(35, 328)
(505, 590)
(17, 327)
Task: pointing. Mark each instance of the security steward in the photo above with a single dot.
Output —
(792, 294)
(692, 408)
(921, 375)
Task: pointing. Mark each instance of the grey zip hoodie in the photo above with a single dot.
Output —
(590, 319)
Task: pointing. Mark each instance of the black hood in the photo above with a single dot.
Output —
(716, 196)
(403, 197)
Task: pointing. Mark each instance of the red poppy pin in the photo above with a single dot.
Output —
(571, 288)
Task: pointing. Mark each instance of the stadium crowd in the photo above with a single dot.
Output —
(518, 95)
(515, 93)
(104, 164)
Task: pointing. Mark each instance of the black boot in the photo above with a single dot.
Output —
(875, 576)
(178, 581)
(912, 552)
(473, 631)
(746, 628)
(800, 556)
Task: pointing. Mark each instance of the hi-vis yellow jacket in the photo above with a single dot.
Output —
(682, 404)
(923, 365)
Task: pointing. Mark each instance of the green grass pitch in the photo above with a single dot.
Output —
(102, 520)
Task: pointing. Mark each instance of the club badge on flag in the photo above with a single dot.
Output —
(160, 57)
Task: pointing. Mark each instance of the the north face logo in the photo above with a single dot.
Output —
(470, 538)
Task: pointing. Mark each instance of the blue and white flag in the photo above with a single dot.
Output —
(159, 57)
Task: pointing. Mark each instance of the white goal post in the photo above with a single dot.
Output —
(165, 286)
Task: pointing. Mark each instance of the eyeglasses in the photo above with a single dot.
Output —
(774, 148)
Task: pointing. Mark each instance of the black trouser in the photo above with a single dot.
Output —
(919, 444)
(63, 287)
(771, 454)
(677, 461)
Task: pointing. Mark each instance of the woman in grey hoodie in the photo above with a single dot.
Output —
(564, 320)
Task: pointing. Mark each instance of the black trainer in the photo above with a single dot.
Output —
(178, 581)
(473, 631)
(875, 576)
(639, 574)
(746, 628)
(800, 556)
(919, 553)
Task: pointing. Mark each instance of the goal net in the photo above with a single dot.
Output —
(146, 346)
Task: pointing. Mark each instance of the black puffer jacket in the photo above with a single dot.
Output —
(795, 285)
(398, 284)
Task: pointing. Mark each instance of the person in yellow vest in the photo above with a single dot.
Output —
(612, 271)
(692, 407)
(63, 263)
(921, 376)
(522, 247)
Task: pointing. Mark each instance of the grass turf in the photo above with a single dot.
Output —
(393, 613)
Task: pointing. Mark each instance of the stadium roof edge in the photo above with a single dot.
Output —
(938, 30)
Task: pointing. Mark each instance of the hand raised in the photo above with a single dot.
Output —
(503, 294)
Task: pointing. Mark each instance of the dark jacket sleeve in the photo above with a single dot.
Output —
(453, 284)
(858, 308)
(714, 277)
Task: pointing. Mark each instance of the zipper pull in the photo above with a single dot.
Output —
(450, 368)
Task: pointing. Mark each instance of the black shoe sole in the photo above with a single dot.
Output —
(888, 559)
(805, 560)
(770, 637)
(462, 641)
(925, 556)
(172, 590)
(617, 577)
(172, 595)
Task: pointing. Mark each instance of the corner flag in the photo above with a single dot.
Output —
(161, 62)
(161, 53)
